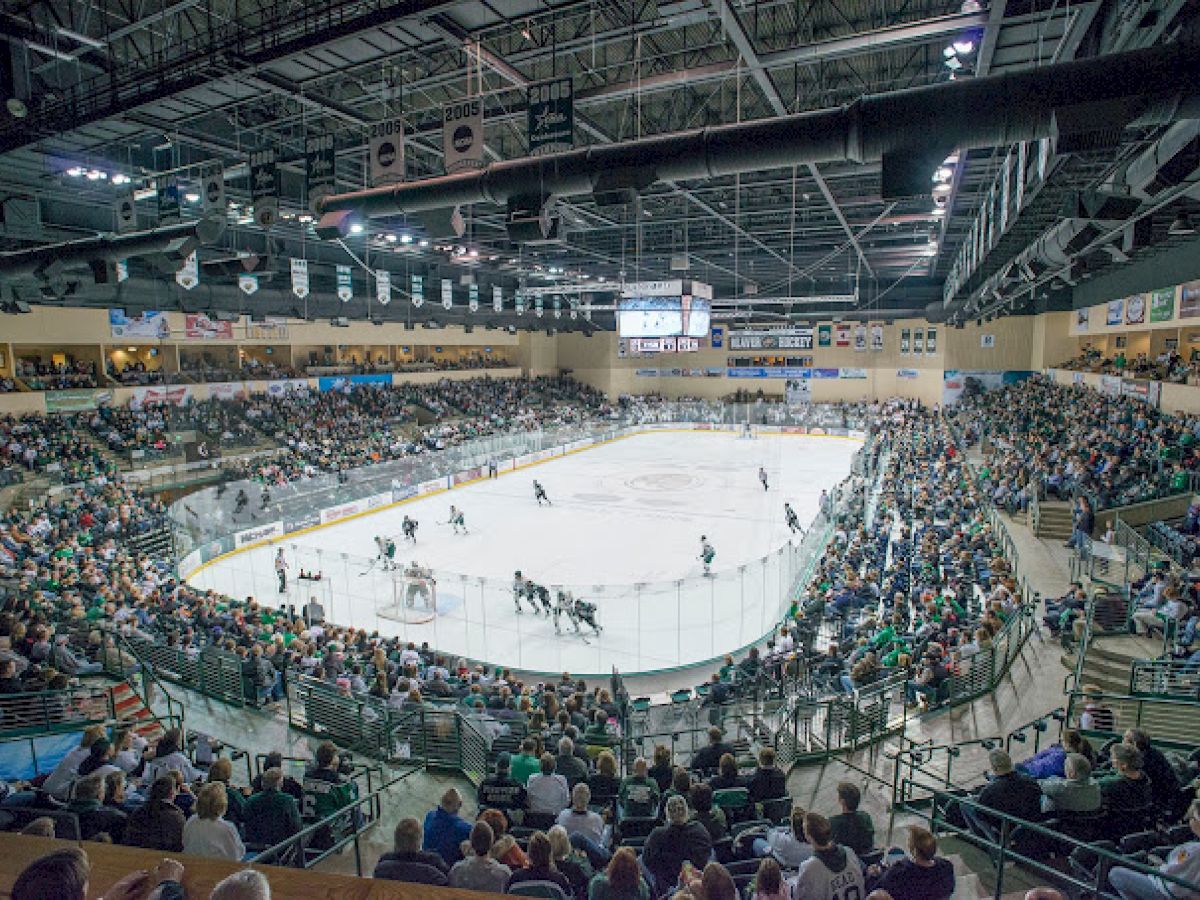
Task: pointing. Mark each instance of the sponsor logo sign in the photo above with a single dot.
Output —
(258, 533)
(333, 513)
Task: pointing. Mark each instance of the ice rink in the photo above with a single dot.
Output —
(623, 532)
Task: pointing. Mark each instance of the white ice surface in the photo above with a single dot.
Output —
(624, 532)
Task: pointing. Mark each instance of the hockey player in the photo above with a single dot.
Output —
(586, 613)
(380, 550)
(762, 476)
(793, 521)
(518, 589)
(265, 498)
(410, 529)
(707, 554)
(457, 520)
(539, 493)
(564, 606)
(530, 594)
(543, 596)
(389, 549)
(240, 501)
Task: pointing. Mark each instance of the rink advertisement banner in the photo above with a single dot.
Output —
(1162, 305)
(432, 486)
(377, 500)
(190, 563)
(401, 492)
(77, 400)
(763, 372)
(467, 475)
(1110, 385)
(341, 511)
(1082, 319)
(1135, 309)
(343, 382)
(176, 395)
(304, 520)
(286, 386)
(270, 329)
(825, 373)
(258, 533)
(907, 373)
(956, 382)
(198, 326)
(855, 374)
(151, 324)
(228, 390)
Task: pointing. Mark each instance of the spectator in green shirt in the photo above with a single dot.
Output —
(526, 762)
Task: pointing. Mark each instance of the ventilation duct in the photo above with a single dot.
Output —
(1170, 161)
(992, 111)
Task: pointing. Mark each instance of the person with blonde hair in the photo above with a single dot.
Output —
(58, 784)
(922, 875)
(207, 833)
(221, 771)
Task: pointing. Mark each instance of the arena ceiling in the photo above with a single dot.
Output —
(134, 88)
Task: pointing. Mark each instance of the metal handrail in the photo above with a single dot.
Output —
(1175, 679)
(363, 813)
(1168, 719)
(1003, 851)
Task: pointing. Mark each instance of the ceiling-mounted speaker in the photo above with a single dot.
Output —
(442, 223)
(170, 258)
(529, 220)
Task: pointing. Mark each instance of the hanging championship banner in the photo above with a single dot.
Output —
(497, 298)
(319, 166)
(574, 304)
(345, 284)
(860, 338)
(539, 306)
(462, 135)
(212, 188)
(264, 186)
(122, 268)
(189, 274)
(587, 307)
(383, 286)
(247, 284)
(557, 303)
(168, 199)
(300, 277)
(473, 297)
(418, 290)
(519, 303)
(126, 214)
(387, 152)
(876, 338)
(447, 294)
(551, 117)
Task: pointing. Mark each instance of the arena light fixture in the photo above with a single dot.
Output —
(406, 238)
(964, 46)
(423, 243)
(120, 178)
(357, 228)
(390, 238)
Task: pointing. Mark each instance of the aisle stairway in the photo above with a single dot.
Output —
(1054, 520)
(130, 708)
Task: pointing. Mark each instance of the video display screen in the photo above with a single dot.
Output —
(656, 317)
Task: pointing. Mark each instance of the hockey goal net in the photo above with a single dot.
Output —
(414, 599)
(746, 431)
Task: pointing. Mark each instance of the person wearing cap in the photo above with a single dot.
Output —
(501, 791)
(62, 659)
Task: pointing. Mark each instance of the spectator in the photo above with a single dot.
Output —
(541, 865)
(290, 786)
(621, 880)
(669, 845)
(445, 829)
(270, 816)
(604, 784)
(1182, 862)
(768, 882)
(158, 823)
(768, 781)
(832, 871)
(1164, 783)
(94, 816)
(568, 765)
(727, 775)
(922, 875)
(714, 883)
(639, 793)
(58, 784)
(1096, 716)
(64, 875)
(573, 863)
(586, 828)
(504, 848)
(408, 862)
(247, 884)
(221, 772)
(548, 791)
(851, 827)
(169, 757)
(1010, 792)
(500, 790)
(526, 762)
(662, 769)
(207, 833)
(709, 758)
(1126, 789)
(787, 845)
(712, 818)
(1075, 792)
(42, 826)
(479, 872)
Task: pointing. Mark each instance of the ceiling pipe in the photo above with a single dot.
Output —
(175, 240)
(912, 124)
